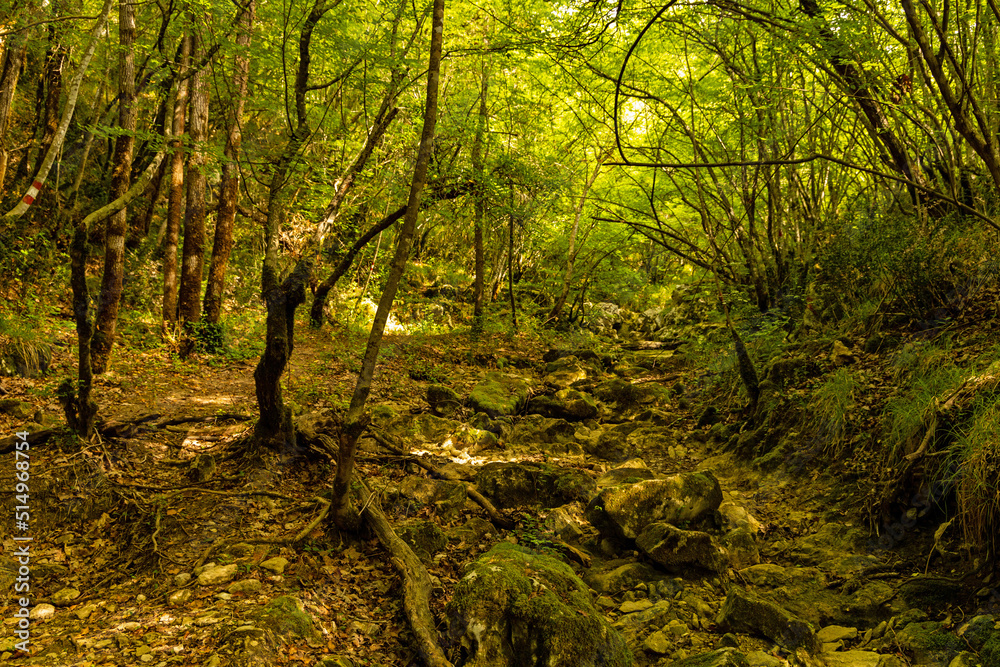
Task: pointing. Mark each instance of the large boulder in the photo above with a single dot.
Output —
(674, 548)
(499, 394)
(626, 511)
(516, 608)
(438, 433)
(517, 484)
(745, 612)
(564, 371)
(604, 318)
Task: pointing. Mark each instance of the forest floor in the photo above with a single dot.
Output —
(123, 527)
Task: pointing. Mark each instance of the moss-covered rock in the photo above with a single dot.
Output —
(517, 608)
(286, 616)
(625, 511)
(927, 642)
(745, 612)
(517, 484)
(675, 548)
(443, 400)
(499, 394)
(425, 538)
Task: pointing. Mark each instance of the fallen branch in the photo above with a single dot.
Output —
(416, 583)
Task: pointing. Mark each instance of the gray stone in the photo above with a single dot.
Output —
(745, 612)
(65, 597)
(658, 642)
(444, 401)
(723, 657)
(516, 484)
(245, 587)
(626, 511)
(675, 548)
(852, 659)
(276, 565)
(218, 574)
(836, 633)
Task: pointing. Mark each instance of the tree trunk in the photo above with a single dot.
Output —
(175, 200)
(229, 189)
(479, 220)
(572, 251)
(10, 72)
(355, 421)
(274, 428)
(510, 260)
(114, 242)
(193, 254)
(55, 57)
(67, 116)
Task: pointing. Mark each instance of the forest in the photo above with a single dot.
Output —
(500, 334)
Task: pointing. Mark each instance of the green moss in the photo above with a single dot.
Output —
(285, 616)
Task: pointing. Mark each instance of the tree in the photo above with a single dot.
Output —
(114, 240)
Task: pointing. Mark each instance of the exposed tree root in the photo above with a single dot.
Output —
(416, 583)
(496, 518)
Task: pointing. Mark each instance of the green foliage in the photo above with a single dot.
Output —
(831, 406)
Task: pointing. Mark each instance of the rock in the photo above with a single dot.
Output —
(966, 659)
(836, 633)
(629, 472)
(177, 598)
(745, 612)
(674, 548)
(245, 587)
(499, 394)
(16, 409)
(762, 659)
(929, 593)
(841, 354)
(564, 372)
(852, 659)
(742, 548)
(515, 607)
(603, 318)
(41, 612)
(65, 597)
(567, 404)
(625, 511)
(658, 642)
(425, 537)
(219, 574)
(630, 606)
(978, 630)
(928, 642)
(723, 657)
(202, 468)
(444, 401)
(622, 578)
(28, 359)
(535, 433)
(414, 492)
(286, 616)
(276, 565)
(829, 543)
(437, 432)
(566, 522)
(516, 484)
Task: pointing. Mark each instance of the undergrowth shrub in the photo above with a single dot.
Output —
(831, 406)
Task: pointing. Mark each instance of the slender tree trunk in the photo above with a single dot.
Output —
(479, 219)
(510, 260)
(342, 511)
(175, 201)
(10, 72)
(73, 92)
(572, 251)
(229, 189)
(193, 254)
(274, 428)
(323, 289)
(55, 57)
(114, 243)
